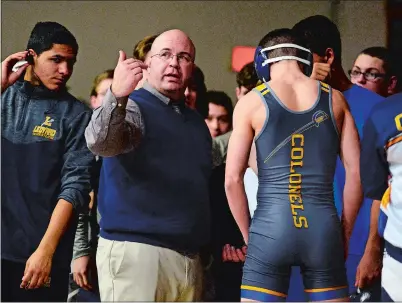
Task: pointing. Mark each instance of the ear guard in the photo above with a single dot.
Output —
(262, 63)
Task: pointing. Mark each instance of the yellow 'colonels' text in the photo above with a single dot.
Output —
(295, 181)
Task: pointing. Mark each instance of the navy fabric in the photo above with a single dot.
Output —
(44, 158)
(296, 157)
(158, 194)
(361, 101)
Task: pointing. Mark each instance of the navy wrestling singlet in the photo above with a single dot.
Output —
(296, 222)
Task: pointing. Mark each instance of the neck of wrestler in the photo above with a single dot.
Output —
(286, 70)
(338, 79)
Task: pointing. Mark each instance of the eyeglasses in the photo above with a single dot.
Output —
(183, 58)
(367, 75)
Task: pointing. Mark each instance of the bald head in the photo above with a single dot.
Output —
(172, 36)
(171, 63)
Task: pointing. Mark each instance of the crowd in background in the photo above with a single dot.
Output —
(66, 221)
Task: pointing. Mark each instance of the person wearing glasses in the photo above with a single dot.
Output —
(323, 39)
(374, 69)
(154, 184)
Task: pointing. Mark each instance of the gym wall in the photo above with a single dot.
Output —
(104, 27)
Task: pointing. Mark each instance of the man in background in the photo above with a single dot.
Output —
(217, 111)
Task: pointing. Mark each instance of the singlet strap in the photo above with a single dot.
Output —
(325, 87)
(262, 89)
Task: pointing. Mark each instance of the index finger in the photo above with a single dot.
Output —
(86, 284)
(325, 67)
(357, 278)
(240, 255)
(244, 249)
(138, 63)
(224, 253)
(143, 65)
(34, 281)
(17, 56)
(234, 255)
(362, 282)
(25, 279)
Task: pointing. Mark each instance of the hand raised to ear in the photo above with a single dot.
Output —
(8, 76)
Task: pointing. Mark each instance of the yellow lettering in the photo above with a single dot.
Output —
(294, 189)
(297, 206)
(295, 198)
(297, 136)
(293, 163)
(44, 132)
(302, 222)
(398, 122)
(295, 178)
(297, 153)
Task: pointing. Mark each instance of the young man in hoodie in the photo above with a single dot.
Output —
(46, 165)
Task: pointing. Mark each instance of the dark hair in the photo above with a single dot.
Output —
(107, 74)
(279, 36)
(320, 33)
(247, 76)
(45, 34)
(383, 54)
(197, 82)
(218, 98)
(142, 48)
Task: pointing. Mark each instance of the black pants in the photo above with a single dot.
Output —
(227, 278)
(11, 278)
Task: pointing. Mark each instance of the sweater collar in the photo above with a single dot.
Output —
(160, 96)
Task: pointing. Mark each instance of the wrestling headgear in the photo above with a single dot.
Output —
(261, 61)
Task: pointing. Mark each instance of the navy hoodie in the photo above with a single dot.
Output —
(44, 158)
